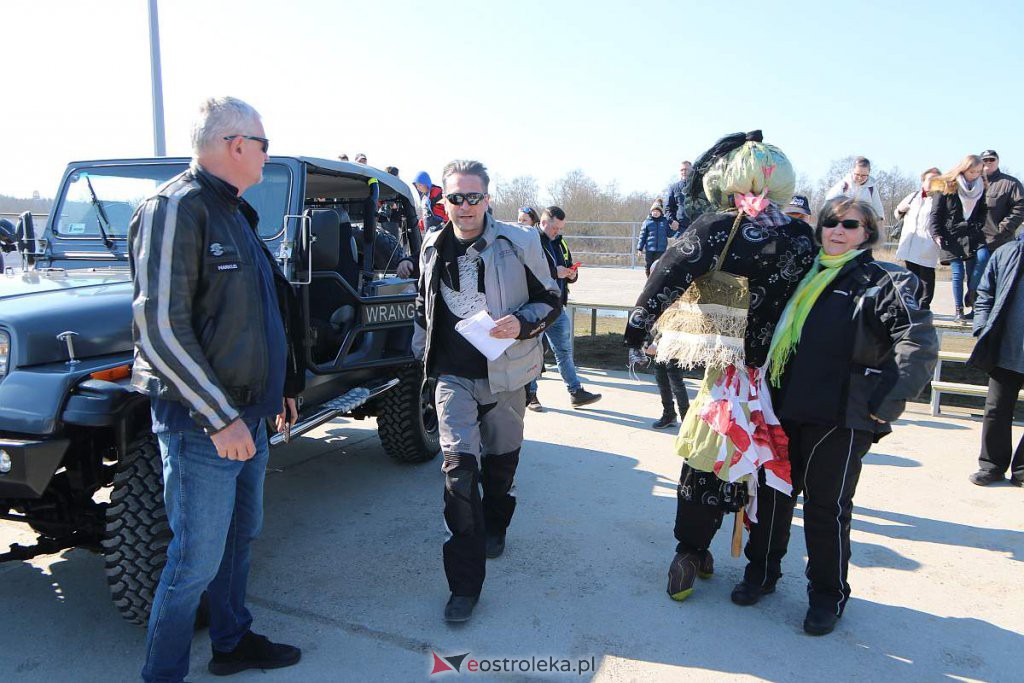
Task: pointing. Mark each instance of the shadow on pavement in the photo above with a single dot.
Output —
(349, 568)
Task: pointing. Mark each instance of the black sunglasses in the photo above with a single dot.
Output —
(989, 159)
(848, 224)
(473, 198)
(265, 141)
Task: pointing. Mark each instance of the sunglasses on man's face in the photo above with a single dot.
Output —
(473, 198)
(264, 141)
(848, 224)
(989, 160)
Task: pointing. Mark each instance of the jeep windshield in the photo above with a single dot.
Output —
(103, 198)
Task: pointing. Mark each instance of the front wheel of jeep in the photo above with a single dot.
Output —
(137, 532)
(407, 423)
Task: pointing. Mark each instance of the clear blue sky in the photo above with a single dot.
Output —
(621, 90)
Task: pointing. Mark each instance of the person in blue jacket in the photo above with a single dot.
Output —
(654, 236)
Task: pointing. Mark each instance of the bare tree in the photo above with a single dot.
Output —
(893, 185)
(510, 196)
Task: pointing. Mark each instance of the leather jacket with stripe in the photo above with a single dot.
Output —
(200, 337)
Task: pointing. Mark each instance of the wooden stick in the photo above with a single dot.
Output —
(737, 533)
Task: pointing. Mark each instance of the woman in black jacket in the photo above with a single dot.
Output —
(958, 221)
(851, 347)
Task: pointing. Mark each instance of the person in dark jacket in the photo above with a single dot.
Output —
(1004, 199)
(559, 333)
(677, 193)
(851, 348)
(654, 236)
(216, 338)
(958, 220)
(999, 351)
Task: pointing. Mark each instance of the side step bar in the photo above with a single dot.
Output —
(341, 405)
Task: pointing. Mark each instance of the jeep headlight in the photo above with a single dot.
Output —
(5, 352)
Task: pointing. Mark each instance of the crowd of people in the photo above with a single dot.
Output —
(810, 349)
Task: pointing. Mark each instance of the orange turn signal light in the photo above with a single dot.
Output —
(113, 374)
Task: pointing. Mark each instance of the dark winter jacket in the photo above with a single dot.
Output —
(1005, 200)
(654, 234)
(200, 337)
(866, 348)
(959, 236)
(675, 207)
(773, 259)
(999, 284)
(558, 254)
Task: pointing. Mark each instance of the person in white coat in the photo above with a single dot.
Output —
(858, 184)
(918, 248)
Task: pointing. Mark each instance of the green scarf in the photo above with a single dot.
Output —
(787, 332)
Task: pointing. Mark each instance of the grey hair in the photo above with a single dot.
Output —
(838, 206)
(219, 117)
(466, 167)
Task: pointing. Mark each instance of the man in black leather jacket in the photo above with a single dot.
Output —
(215, 350)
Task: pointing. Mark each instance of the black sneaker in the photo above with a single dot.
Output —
(820, 621)
(459, 608)
(747, 594)
(665, 421)
(581, 397)
(253, 652)
(1017, 481)
(533, 404)
(983, 478)
(495, 546)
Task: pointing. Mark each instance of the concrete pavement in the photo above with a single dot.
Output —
(349, 568)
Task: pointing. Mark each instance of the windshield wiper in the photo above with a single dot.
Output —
(101, 215)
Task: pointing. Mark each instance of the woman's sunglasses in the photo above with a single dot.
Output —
(474, 198)
(525, 209)
(848, 224)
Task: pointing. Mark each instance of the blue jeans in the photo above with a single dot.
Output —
(960, 267)
(215, 509)
(559, 336)
(980, 261)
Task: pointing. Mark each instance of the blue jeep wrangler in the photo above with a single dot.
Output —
(77, 460)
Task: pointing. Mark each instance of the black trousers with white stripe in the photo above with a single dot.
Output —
(826, 464)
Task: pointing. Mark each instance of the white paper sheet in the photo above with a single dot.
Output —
(477, 329)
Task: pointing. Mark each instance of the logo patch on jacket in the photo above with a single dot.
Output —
(216, 249)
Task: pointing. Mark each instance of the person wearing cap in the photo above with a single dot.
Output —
(858, 184)
(799, 207)
(361, 158)
(918, 248)
(654, 236)
(1004, 201)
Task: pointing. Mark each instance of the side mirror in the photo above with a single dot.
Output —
(27, 238)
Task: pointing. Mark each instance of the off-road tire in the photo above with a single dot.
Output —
(137, 532)
(407, 421)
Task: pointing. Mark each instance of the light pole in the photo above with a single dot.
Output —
(159, 149)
